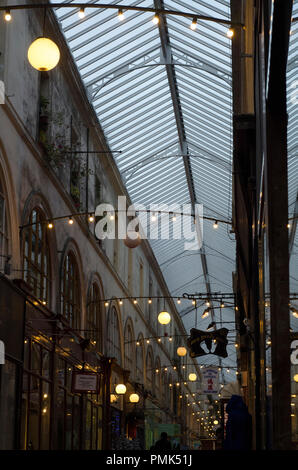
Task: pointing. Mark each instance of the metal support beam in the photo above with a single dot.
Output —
(277, 215)
(170, 69)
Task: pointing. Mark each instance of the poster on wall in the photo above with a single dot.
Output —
(210, 385)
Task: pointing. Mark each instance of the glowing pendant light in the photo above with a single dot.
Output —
(43, 54)
(164, 318)
(134, 398)
(192, 377)
(181, 351)
(120, 389)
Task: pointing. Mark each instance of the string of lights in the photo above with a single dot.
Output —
(91, 216)
(157, 13)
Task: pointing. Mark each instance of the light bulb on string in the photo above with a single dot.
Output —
(50, 225)
(155, 19)
(70, 221)
(91, 218)
(81, 13)
(205, 314)
(7, 16)
(230, 33)
(193, 25)
(178, 301)
(120, 15)
(215, 225)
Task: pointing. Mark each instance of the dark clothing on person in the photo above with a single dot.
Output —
(239, 425)
(163, 443)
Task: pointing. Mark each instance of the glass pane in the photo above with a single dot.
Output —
(35, 358)
(76, 422)
(46, 363)
(94, 427)
(88, 425)
(45, 417)
(68, 423)
(24, 412)
(34, 414)
(59, 425)
(7, 405)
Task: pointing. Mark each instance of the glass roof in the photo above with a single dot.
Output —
(163, 97)
(293, 157)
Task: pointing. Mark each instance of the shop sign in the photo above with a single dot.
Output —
(210, 384)
(214, 341)
(85, 382)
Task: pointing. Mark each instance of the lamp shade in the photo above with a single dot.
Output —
(134, 398)
(192, 377)
(120, 389)
(43, 54)
(181, 351)
(164, 318)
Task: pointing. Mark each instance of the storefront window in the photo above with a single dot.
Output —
(93, 423)
(7, 405)
(36, 397)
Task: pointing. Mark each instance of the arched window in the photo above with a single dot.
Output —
(129, 347)
(70, 291)
(149, 371)
(157, 377)
(113, 336)
(140, 359)
(37, 256)
(164, 386)
(94, 315)
(169, 392)
(4, 239)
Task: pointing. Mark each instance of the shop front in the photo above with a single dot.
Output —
(12, 318)
(40, 406)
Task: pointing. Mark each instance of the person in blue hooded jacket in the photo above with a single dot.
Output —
(239, 425)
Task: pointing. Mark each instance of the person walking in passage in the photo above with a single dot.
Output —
(239, 425)
(163, 443)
